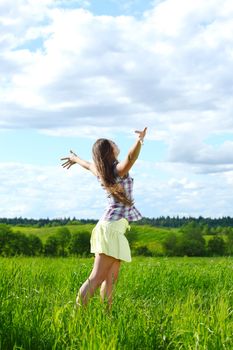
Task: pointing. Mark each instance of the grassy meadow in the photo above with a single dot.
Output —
(159, 303)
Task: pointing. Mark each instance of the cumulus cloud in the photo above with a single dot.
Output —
(204, 154)
(174, 59)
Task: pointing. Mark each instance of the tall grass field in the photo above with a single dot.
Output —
(159, 303)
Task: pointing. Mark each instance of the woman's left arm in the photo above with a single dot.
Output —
(124, 166)
(74, 159)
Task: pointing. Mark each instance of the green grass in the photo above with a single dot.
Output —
(160, 303)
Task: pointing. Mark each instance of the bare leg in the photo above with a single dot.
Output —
(102, 265)
(107, 285)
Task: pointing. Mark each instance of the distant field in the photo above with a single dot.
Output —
(150, 236)
(160, 303)
(44, 232)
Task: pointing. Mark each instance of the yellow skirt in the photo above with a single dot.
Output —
(108, 237)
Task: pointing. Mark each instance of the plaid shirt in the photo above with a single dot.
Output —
(117, 210)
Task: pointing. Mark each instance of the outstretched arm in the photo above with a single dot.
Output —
(124, 166)
(74, 159)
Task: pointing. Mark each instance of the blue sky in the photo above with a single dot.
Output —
(32, 147)
(74, 71)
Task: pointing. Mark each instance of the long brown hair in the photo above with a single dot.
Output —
(104, 158)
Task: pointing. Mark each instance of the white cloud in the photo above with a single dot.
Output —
(171, 66)
(34, 191)
(174, 189)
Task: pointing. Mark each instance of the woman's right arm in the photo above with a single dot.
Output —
(74, 159)
(124, 166)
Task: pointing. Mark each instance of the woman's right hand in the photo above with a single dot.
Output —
(69, 161)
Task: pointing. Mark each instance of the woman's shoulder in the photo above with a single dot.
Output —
(116, 172)
(121, 178)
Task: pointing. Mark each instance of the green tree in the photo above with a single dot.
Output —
(63, 235)
(5, 236)
(190, 247)
(51, 246)
(169, 244)
(192, 230)
(80, 243)
(20, 244)
(35, 245)
(216, 246)
(142, 250)
(191, 242)
(219, 230)
(230, 242)
(205, 230)
(13, 243)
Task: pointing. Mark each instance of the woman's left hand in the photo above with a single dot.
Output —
(141, 134)
(69, 161)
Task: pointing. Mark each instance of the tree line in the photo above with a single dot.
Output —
(190, 241)
(187, 241)
(162, 221)
(177, 222)
(19, 221)
(62, 243)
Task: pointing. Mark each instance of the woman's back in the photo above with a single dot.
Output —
(115, 209)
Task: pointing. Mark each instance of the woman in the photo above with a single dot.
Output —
(107, 240)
